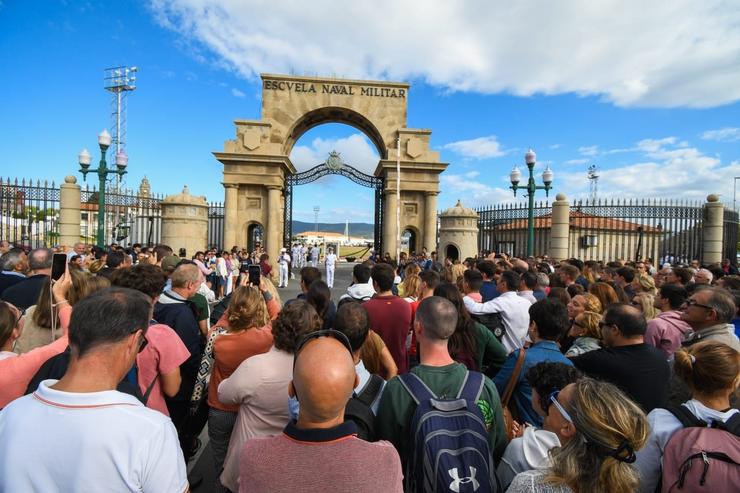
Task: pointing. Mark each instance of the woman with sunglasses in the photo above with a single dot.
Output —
(712, 371)
(530, 449)
(259, 386)
(586, 334)
(602, 429)
(645, 302)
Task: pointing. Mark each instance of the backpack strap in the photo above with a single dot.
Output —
(370, 392)
(732, 425)
(149, 389)
(472, 386)
(686, 417)
(513, 379)
(416, 388)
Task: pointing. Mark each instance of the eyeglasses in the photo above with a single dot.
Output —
(142, 342)
(691, 302)
(322, 333)
(554, 400)
(604, 324)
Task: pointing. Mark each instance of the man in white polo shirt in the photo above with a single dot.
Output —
(513, 308)
(79, 433)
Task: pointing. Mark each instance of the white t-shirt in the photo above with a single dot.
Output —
(54, 441)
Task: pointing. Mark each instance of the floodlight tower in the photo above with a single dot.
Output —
(119, 81)
(593, 177)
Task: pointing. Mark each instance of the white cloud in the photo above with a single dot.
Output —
(630, 52)
(480, 148)
(355, 150)
(575, 162)
(556, 146)
(472, 174)
(471, 193)
(589, 150)
(666, 169)
(237, 93)
(728, 134)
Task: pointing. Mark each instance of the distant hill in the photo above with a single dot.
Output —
(365, 230)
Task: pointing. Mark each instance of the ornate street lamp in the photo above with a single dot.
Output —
(530, 158)
(84, 158)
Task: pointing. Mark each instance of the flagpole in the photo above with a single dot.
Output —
(398, 197)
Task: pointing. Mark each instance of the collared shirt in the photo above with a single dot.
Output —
(514, 311)
(528, 295)
(71, 435)
(310, 460)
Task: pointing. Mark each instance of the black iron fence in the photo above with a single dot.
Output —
(666, 230)
(29, 215)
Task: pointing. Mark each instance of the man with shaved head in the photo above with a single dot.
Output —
(320, 451)
(637, 368)
(434, 324)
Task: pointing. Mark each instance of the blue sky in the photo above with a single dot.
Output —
(581, 82)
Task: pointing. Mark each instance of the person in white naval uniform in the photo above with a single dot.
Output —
(315, 252)
(283, 261)
(330, 260)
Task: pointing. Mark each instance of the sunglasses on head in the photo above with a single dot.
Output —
(553, 399)
(142, 342)
(321, 333)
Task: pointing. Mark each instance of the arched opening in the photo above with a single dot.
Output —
(409, 241)
(341, 210)
(452, 252)
(332, 114)
(254, 236)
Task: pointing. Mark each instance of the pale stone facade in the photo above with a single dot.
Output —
(458, 233)
(713, 230)
(256, 163)
(185, 222)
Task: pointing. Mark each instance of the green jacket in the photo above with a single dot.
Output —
(397, 407)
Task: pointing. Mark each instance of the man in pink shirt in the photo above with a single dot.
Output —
(667, 330)
(320, 451)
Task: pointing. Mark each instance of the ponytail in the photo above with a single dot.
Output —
(708, 367)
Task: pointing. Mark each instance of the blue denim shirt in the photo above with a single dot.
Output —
(522, 397)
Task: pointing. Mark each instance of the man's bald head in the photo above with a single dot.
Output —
(323, 379)
(437, 317)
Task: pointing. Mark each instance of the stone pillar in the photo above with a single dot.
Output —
(69, 212)
(230, 215)
(185, 222)
(430, 221)
(273, 236)
(713, 234)
(560, 231)
(389, 223)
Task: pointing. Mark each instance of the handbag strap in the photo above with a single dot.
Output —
(511, 385)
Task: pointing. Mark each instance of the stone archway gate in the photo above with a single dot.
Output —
(257, 166)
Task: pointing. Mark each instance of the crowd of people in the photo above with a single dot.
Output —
(487, 374)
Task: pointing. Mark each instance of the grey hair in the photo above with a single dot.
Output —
(11, 259)
(39, 258)
(723, 303)
(707, 273)
(543, 279)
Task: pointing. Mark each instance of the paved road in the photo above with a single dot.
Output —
(202, 465)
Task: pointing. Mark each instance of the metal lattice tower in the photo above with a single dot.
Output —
(593, 177)
(119, 81)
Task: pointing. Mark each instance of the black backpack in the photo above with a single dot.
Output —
(359, 410)
(494, 322)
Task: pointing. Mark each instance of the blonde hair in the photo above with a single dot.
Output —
(589, 321)
(593, 303)
(273, 291)
(609, 429)
(247, 309)
(708, 367)
(646, 301)
(411, 285)
(411, 270)
(647, 283)
(458, 271)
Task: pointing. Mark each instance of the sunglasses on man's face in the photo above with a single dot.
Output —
(321, 333)
(142, 341)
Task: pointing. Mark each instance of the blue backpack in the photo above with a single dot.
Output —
(449, 449)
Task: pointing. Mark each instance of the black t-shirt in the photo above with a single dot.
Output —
(640, 370)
